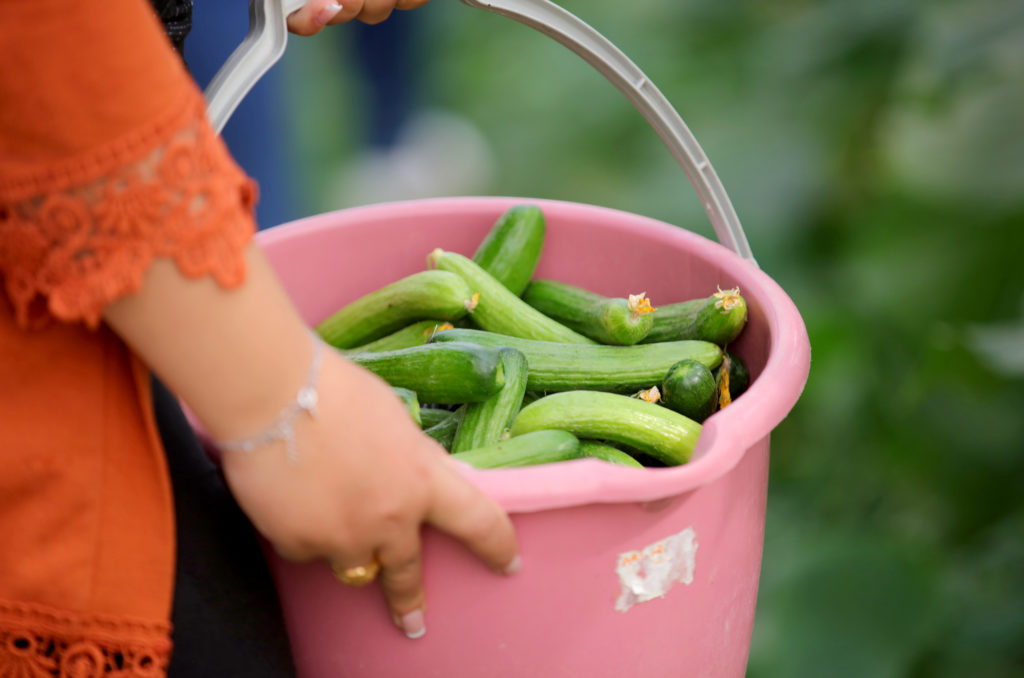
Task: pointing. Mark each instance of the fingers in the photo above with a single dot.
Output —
(469, 515)
(409, 4)
(351, 10)
(313, 16)
(398, 567)
(401, 580)
(375, 11)
(457, 508)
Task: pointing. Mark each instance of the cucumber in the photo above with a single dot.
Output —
(445, 373)
(439, 295)
(596, 450)
(511, 249)
(431, 416)
(739, 375)
(607, 320)
(690, 389)
(411, 402)
(718, 318)
(530, 396)
(444, 431)
(554, 366)
(485, 422)
(535, 447)
(499, 310)
(731, 378)
(652, 429)
(415, 334)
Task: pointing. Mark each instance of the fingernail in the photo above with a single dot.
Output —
(413, 624)
(327, 13)
(515, 566)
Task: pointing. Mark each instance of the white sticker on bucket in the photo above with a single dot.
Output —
(650, 573)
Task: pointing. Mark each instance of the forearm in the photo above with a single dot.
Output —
(237, 357)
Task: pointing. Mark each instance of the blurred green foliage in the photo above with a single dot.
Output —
(874, 152)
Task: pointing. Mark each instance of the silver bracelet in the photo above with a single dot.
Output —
(282, 428)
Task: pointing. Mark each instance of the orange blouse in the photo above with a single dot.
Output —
(106, 161)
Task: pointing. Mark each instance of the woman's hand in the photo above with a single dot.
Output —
(364, 481)
(316, 14)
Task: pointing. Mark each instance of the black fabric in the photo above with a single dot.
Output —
(176, 16)
(227, 617)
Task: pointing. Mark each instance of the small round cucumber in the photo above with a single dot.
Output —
(732, 378)
(512, 247)
(739, 375)
(536, 447)
(613, 455)
(650, 428)
(440, 295)
(607, 320)
(718, 318)
(690, 389)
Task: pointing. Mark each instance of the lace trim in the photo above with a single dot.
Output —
(68, 253)
(38, 642)
(104, 158)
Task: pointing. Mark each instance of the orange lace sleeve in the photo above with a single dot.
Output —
(106, 161)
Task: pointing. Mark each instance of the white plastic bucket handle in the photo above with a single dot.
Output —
(268, 35)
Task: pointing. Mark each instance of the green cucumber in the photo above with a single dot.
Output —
(485, 422)
(596, 450)
(439, 295)
(415, 334)
(690, 389)
(731, 378)
(511, 249)
(411, 402)
(739, 375)
(607, 320)
(718, 318)
(444, 431)
(530, 396)
(652, 429)
(444, 373)
(499, 310)
(431, 416)
(535, 447)
(554, 366)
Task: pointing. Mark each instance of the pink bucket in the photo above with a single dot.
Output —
(593, 535)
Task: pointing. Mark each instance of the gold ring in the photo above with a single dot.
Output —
(357, 576)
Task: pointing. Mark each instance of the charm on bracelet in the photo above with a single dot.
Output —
(283, 426)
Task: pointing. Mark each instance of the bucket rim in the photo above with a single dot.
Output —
(726, 435)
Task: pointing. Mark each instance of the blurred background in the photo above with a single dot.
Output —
(874, 150)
